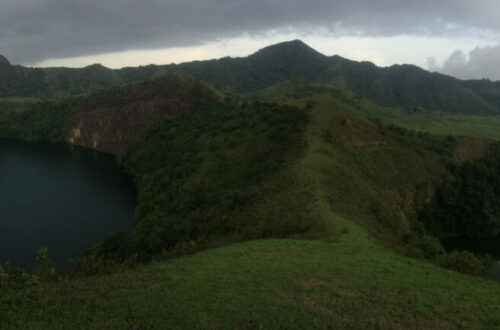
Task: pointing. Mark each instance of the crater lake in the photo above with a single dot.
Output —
(58, 196)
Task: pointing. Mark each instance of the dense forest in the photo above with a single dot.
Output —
(38, 121)
(468, 203)
(216, 174)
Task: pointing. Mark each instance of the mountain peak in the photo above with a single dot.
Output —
(296, 47)
(95, 66)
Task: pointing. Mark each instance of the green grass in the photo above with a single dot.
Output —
(16, 104)
(485, 127)
(347, 282)
(368, 172)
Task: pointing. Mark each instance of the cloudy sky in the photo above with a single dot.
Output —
(457, 37)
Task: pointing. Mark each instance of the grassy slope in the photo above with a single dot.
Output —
(485, 127)
(348, 280)
(369, 172)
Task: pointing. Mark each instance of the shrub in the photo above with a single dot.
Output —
(43, 264)
(464, 262)
(431, 247)
(4, 278)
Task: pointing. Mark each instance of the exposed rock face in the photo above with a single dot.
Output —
(112, 122)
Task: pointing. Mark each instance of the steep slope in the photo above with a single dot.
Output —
(113, 120)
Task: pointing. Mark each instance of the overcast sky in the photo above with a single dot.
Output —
(457, 37)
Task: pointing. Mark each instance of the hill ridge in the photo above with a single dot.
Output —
(405, 85)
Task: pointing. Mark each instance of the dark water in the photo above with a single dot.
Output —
(61, 197)
(487, 245)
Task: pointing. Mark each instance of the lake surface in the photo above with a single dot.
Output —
(62, 197)
(487, 245)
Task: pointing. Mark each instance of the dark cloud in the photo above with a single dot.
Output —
(33, 30)
(481, 62)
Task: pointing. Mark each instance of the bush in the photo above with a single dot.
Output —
(431, 247)
(43, 264)
(423, 247)
(4, 278)
(464, 262)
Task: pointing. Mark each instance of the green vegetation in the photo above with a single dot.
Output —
(339, 179)
(404, 86)
(364, 159)
(112, 120)
(438, 123)
(467, 204)
(417, 119)
(37, 120)
(350, 282)
(465, 262)
(223, 172)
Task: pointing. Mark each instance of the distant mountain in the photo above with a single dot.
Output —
(399, 85)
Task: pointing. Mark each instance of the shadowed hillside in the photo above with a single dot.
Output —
(112, 121)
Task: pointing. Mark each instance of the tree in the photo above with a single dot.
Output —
(43, 264)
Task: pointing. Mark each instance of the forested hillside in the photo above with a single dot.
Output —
(399, 85)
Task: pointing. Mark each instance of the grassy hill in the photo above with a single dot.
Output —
(433, 122)
(307, 167)
(349, 282)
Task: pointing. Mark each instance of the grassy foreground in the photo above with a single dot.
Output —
(347, 282)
